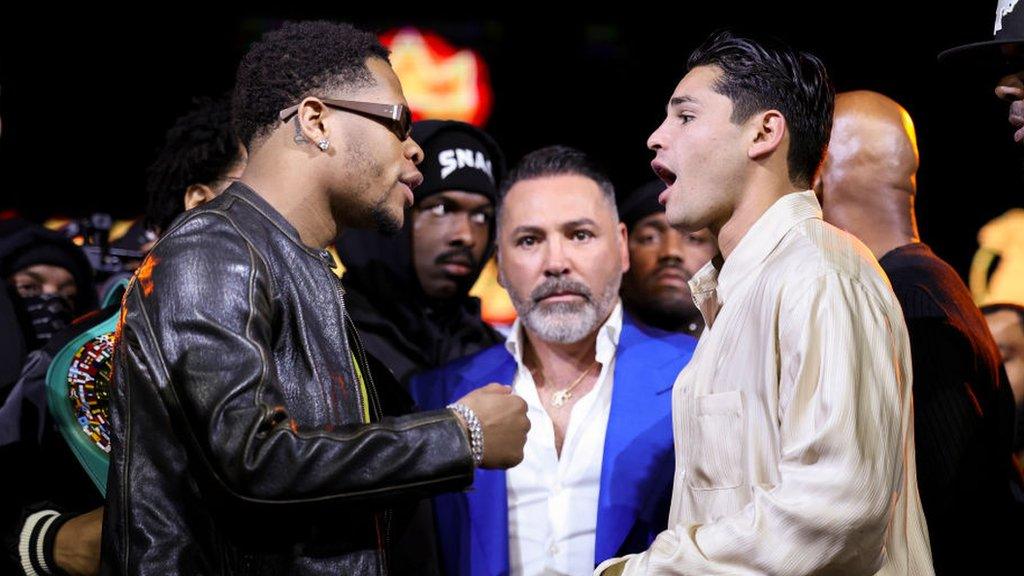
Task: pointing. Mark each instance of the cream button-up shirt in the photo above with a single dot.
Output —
(793, 423)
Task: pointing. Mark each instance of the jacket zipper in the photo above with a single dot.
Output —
(372, 399)
(371, 389)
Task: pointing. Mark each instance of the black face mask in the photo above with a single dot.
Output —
(47, 314)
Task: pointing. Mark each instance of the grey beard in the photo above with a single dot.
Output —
(566, 322)
(562, 322)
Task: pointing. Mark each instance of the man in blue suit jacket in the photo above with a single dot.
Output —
(561, 255)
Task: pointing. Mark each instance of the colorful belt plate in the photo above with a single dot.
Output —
(78, 395)
(89, 387)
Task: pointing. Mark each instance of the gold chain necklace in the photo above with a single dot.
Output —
(560, 397)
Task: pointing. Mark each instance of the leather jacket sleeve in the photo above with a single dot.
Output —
(199, 325)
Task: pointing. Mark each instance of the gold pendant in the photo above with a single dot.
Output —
(559, 398)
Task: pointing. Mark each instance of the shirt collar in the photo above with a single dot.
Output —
(704, 288)
(762, 238)
(713, 284)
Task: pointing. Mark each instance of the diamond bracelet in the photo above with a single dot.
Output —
(476, 432)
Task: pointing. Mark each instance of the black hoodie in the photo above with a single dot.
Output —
(398, 323)
(18, 238)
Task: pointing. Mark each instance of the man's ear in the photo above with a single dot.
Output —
(501, 275)
(818, 186)
(769, 130)
(310, 126)
(623, 245)
(197, 194)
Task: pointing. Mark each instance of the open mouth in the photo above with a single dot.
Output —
(667, 176)
(410, 183)
(412, 180)
(409, 198)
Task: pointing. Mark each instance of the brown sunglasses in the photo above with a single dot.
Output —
(395, 117)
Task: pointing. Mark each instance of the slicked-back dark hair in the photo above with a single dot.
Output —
(766, 74)
(558, 161)
(199, 149)
(300, 59)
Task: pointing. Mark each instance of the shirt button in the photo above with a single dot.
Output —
(553, 549)
(556, 488)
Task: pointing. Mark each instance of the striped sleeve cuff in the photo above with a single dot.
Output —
(35, 544)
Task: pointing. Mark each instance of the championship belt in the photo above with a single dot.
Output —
(78, 393)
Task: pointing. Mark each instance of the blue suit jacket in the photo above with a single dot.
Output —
(636, 472)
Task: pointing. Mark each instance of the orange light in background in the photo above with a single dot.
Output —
(57, 224)
(117, 230)
(439, 80)
(495, 305)
(997, 271)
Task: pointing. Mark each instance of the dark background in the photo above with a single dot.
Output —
(88, 94)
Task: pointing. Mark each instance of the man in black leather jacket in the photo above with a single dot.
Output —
(252, 435)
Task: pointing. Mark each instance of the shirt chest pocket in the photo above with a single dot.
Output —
(714, 459)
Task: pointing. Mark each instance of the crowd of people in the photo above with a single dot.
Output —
(751, 364)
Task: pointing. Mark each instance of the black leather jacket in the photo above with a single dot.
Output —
(241, 442)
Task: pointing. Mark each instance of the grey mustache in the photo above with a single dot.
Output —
(556, 285)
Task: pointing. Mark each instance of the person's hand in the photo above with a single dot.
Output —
(502, 417)
(76, 549)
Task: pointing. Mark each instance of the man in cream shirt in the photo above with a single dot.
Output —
(793, 423)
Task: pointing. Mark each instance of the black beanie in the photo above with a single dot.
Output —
(52, 254)
(457, 156)
(641, 203)
(32, 244)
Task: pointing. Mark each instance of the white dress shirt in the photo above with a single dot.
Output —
(793, 423)
(552, 501)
